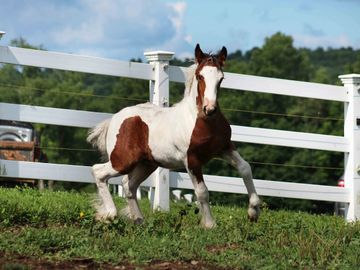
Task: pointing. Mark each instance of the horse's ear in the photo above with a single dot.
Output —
(222, 56)
(199, 55)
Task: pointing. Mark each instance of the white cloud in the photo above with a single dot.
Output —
(181, 42)
(87, 32)
(188, 38)
(179, 9)
(129, 22)
(311, 41)
(109, 28)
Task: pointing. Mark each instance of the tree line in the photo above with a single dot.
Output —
(277, 57)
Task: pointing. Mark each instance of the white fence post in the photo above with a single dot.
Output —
(159, 95)
(352, 133)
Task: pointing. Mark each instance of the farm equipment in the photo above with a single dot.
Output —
(19, 141)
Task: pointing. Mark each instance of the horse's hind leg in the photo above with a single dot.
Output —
(234, 158)
(106, 209)
(131, 183)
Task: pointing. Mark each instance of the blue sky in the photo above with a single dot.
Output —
(124, 29)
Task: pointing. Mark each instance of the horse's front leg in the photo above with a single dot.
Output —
(202, 195)
(234, 158)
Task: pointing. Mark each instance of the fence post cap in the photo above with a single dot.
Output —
(159, 56)
(350, 78)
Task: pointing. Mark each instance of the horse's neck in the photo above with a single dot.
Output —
(190, 97)
(194, 89)
(185, 112)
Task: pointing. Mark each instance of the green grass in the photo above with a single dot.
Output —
(60, 226)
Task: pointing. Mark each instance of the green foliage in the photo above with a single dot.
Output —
(53, 227)
(278, 58)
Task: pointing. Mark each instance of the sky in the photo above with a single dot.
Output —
(125, 29)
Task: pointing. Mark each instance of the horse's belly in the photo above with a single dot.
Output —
(169, 139)
(168, 156)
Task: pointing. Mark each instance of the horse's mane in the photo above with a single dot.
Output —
(189, 78)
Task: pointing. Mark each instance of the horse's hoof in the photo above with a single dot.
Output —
(125, 212)
(253, 214)
(104, 219)
(208, 225)
(253, 218)
(138, 221)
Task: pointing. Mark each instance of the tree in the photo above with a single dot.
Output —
(278, 58)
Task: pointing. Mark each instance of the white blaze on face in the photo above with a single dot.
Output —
(212, 77)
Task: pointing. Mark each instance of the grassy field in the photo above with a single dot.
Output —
(59, 227)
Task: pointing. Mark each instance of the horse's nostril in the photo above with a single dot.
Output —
(210, 112)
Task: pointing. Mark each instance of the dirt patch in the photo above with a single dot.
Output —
(19, 262)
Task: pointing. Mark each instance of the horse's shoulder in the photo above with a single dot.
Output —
(210, 137)
(217, 126)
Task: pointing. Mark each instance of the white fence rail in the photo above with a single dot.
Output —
(75, 173)
(273, 86)
(159, 71)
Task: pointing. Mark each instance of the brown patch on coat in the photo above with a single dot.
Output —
(201, 92)
(211, 137)
(131, 145)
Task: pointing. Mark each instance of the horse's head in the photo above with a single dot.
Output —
(209, 75)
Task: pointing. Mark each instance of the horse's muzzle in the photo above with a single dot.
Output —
(209, 110)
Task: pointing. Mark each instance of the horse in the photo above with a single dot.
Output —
(140, 138)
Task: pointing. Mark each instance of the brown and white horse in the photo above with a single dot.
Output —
(140, 138)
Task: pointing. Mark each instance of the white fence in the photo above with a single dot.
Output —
(159, 73)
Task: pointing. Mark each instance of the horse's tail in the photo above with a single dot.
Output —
(97, 136)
